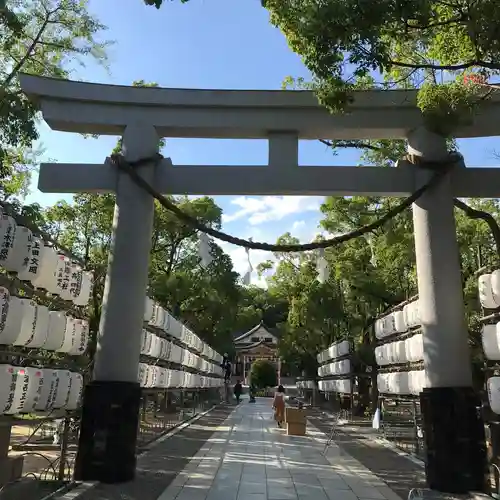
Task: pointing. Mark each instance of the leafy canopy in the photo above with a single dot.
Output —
(424, 44)
(46, 38)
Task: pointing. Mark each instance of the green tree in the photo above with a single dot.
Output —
(41, 37)
(263, 374)
(428, 45)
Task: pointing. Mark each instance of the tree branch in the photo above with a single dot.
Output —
(473, 213)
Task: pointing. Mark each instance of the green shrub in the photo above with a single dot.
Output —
(263, 374)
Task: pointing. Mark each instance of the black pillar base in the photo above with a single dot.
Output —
(454, 438)
(108, 432)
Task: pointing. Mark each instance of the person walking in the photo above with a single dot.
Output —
(238, 389)
(279, 405)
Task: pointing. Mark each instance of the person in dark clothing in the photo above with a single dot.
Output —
(226, 366)
(238, 389)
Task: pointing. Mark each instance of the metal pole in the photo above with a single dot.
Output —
(108, 436)
(453, 429)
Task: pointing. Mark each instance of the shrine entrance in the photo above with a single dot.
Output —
(144, 115)
(257, 343)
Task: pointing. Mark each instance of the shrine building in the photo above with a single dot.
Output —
(257, 343)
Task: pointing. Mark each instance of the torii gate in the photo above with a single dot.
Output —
(454, 431)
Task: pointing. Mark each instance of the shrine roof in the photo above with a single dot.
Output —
(241, 338)
(263, 343)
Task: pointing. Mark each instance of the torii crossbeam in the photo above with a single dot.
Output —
(143, 115)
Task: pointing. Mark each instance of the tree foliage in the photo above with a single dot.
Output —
(263, 374)
(413, 44)
(41, 37)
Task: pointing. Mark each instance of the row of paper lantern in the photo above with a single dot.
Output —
(305, 384)
(489, 290)
(410, 350)
(398, 321)
(404, 383)
(156, 347)
(28, 389)
(342, 367)
(27, 324)
(152, 376)
(40, 264)
(340, 385)
(489, 297)
(157, 317)
(334, 351)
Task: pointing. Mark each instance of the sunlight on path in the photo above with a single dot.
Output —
(249, 458)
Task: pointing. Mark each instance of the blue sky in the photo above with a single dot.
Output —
(211, 44)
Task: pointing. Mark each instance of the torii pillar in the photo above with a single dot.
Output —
(111, 402)
(453, 427)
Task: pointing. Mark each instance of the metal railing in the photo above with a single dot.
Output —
(45, 446)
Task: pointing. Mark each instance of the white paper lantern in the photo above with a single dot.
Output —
(70, 335)
(174, 328)
(63, 388)
(41, 329)
(176, 354)
(485, 292)
(495, 286)
(400, 323)
(58, 283)
(148, 309)
(493, 386)
(85, 290)
(48, 391)
(147, 340)
(20, 319)
(155, 349)
(45, 276)
(162, 378)
(75, 391)
(71, 281)
(490, 337)
(31, 271)
(31, 394)
(28, 387)
(143, 374)
(344, 348)
(8, 229)
(82, 335)
(4, 306)
(416, 352)
(28, 330)
(56, 331)
(8, 379)
(18, 257)
(167, 347)
(400, 349)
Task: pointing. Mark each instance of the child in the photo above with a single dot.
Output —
(238, 389)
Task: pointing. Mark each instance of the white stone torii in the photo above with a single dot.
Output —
(143, 115)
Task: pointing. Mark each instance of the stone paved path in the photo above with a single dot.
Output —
(249, 458)
(398, 472)
(159, 466)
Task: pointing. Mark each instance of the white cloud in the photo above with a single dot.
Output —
(271, 208)
(298, 224)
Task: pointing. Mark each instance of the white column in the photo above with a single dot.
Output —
(118, 342)
(441, 304)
